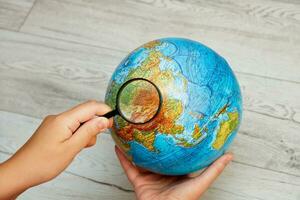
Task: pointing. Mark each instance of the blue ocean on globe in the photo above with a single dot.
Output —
(201, 110)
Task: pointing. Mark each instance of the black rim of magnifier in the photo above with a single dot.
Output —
(117, 111)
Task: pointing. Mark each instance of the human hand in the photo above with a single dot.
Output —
(52, 147)
(148, 185)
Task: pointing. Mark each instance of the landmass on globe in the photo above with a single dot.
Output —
(200, 112)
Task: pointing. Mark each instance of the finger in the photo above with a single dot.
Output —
(196, 173)
(200, 184)
(82, 113)
(92, 142)
(142, 170)
(86, 132)
(131, 171)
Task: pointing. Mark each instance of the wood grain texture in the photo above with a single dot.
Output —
(46, 76)
(77, 72)
(68, 186)
(66, 51)
(99, 165)
(14, 13)
(261, 37)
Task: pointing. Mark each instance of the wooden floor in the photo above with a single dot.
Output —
(55, 54)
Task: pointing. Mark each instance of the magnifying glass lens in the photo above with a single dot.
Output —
(139, 101)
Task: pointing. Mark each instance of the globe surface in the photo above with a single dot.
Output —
(200, 113)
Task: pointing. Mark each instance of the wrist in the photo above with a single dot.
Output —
(12, 183)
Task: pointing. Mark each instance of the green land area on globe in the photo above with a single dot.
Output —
(200, 112)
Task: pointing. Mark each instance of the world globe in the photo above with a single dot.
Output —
(200, 112)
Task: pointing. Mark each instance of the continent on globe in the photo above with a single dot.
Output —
(201, 106)
(226, 129)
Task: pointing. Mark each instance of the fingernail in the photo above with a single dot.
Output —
(102, 123)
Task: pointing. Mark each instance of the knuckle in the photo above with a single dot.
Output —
(219, 167)
(90, 130)
(49, 117)
(59, 119)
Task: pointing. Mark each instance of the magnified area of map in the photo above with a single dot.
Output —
(139, 101)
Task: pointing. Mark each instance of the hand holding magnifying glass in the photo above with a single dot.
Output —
(139, 109)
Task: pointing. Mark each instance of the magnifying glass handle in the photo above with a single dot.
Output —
(110, 114)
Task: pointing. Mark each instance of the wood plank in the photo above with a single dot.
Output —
(238, 182)
(71, 187)
(257, 37)
(14, 13)
(55, 75)
(268, 143)
(270, 97)
(46, 77)
(67, 186)
(65, 73)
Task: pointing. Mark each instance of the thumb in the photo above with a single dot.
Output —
(198, 185)
(88, 130)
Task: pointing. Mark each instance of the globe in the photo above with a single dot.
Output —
(201, 106)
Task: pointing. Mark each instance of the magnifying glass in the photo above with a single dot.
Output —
(138, 101)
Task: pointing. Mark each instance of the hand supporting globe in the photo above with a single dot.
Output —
(148, 185)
